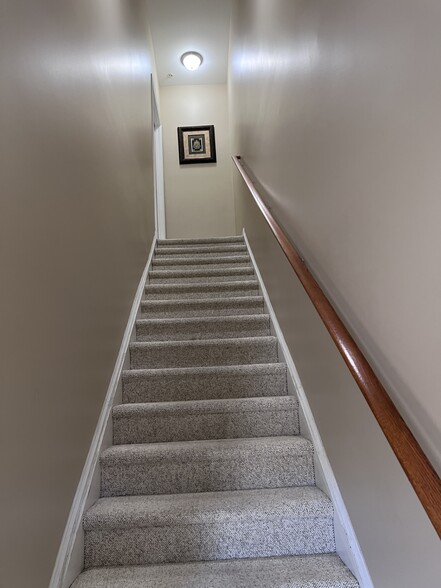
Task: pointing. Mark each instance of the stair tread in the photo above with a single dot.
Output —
(202, 327)
(245, 270)
(220, 370)
(211, 406)
(238, 342)
(231, 506)
(200, 241)
(214, 306)
(194, 290)
(204, 320)
(203, 352)
(206, 466)
(173, 276)
(212, 450)
(200, 302)
(192, 420)
(198, 383)
(310, 571)
(200, 252)
(184, 328)
(202, 265)
(195, 286)
(201, 249)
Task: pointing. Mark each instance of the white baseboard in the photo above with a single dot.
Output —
(348, 547)
(69, 562)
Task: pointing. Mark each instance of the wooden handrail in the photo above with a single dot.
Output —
(408, 451)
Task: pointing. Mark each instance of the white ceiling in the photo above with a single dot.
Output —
(191, 25)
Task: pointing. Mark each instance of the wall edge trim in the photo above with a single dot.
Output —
(362, 572)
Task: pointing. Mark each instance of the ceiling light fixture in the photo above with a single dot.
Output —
(191, 60)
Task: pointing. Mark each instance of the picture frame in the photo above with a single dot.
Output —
(197, 144)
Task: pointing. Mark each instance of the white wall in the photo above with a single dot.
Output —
(198, 197)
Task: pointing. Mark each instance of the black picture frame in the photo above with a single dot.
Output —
(197, 145)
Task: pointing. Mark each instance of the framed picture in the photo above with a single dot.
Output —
(196, 144)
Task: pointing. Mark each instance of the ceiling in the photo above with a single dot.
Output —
(191, 25)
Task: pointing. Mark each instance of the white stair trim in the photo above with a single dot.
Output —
(69, 562)
(348, 547)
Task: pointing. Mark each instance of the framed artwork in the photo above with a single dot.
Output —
(196, 144)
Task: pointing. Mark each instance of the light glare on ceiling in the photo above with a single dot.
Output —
(191, 60)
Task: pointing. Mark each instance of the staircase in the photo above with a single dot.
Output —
(209, 483)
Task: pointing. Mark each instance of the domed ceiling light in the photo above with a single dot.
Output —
(191, 60)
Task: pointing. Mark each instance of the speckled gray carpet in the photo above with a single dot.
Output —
(209, 483)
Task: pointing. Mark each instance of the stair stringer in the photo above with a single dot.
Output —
(347, 545)
(70, 559)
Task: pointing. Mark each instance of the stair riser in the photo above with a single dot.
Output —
(156, 428)
(269, 470)
(200, 253)
(198, 310)
(201, 248)
(200, 267)
(178, 277)
(192, 262)
(184, 331)
(315, 571)
(162, 356)
(169, 387)
(201, 293)
(173, 544)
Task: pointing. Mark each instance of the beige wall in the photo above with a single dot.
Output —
(198, 197)
(336, 112)
(338, 115)
(76, 224)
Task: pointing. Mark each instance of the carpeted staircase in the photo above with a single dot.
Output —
(208, 483)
